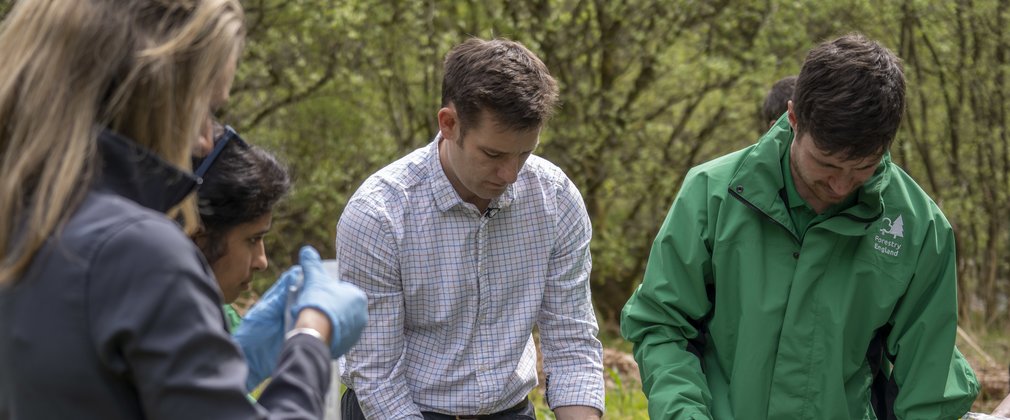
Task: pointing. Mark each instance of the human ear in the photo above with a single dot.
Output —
(448, 123)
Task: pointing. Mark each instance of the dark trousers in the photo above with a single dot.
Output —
(351, 410)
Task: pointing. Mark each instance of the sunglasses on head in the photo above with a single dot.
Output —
(223, 135)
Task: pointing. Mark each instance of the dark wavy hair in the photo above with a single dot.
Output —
(242, 184)
(850, 97)
(776, 101)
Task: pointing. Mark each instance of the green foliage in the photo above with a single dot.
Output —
(649, 89)
(625, 401)
(339, 89)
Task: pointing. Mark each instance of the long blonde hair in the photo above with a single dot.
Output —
(146, 69)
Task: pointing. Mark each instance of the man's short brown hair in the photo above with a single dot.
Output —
(850, 97)
(502, 77)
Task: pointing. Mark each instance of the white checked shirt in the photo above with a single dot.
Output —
(453, 295)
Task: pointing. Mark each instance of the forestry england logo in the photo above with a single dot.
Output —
(887, 240)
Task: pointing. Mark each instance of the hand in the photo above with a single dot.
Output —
(344, 304)
(261, 334)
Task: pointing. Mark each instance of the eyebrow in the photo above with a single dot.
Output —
(499, 152)
(823, 163)
(830, 165)
(491, 151)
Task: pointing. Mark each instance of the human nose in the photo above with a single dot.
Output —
(259, 261)
(509, 171)
(840, 185)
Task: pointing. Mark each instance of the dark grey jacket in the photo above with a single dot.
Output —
(119, 316)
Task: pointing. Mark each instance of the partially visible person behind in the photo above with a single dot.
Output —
(463, 247)
(787, 274)
(107, 308)
(240, 187)
(777, 100)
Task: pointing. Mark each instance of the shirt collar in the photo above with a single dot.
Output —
(445, 195)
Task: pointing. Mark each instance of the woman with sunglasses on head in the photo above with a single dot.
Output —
(107, 310)
(241, 184)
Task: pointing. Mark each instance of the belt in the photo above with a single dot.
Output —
(522, 405)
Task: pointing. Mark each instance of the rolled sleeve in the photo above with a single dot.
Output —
(573, 356)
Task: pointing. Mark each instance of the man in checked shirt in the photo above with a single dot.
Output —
(463, 246)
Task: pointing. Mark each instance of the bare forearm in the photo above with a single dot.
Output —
(577, 412)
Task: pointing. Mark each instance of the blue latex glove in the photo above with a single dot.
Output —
(345, 304)
(261, 334)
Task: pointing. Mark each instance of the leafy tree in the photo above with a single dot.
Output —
(649, 89)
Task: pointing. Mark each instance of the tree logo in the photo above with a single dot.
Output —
(896, 228)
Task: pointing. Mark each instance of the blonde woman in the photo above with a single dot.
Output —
(107, 310)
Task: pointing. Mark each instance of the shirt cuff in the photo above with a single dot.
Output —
(564, 389)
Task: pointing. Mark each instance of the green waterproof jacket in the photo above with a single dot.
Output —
(782, 322)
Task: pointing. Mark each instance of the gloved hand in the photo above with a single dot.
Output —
(261, 334)
(343, 303)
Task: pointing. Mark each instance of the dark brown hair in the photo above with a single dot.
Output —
(502, 77)
(243, 184)
(850, 96)
(777, 98)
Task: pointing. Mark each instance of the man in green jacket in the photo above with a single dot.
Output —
(782, 267)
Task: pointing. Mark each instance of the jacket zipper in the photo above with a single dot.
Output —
(761, 212)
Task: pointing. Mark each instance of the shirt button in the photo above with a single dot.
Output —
(796, 255)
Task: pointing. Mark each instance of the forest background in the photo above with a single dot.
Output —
(649, 89)
(339, 89)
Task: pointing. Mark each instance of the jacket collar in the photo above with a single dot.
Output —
(759, 180)
(134, 172)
